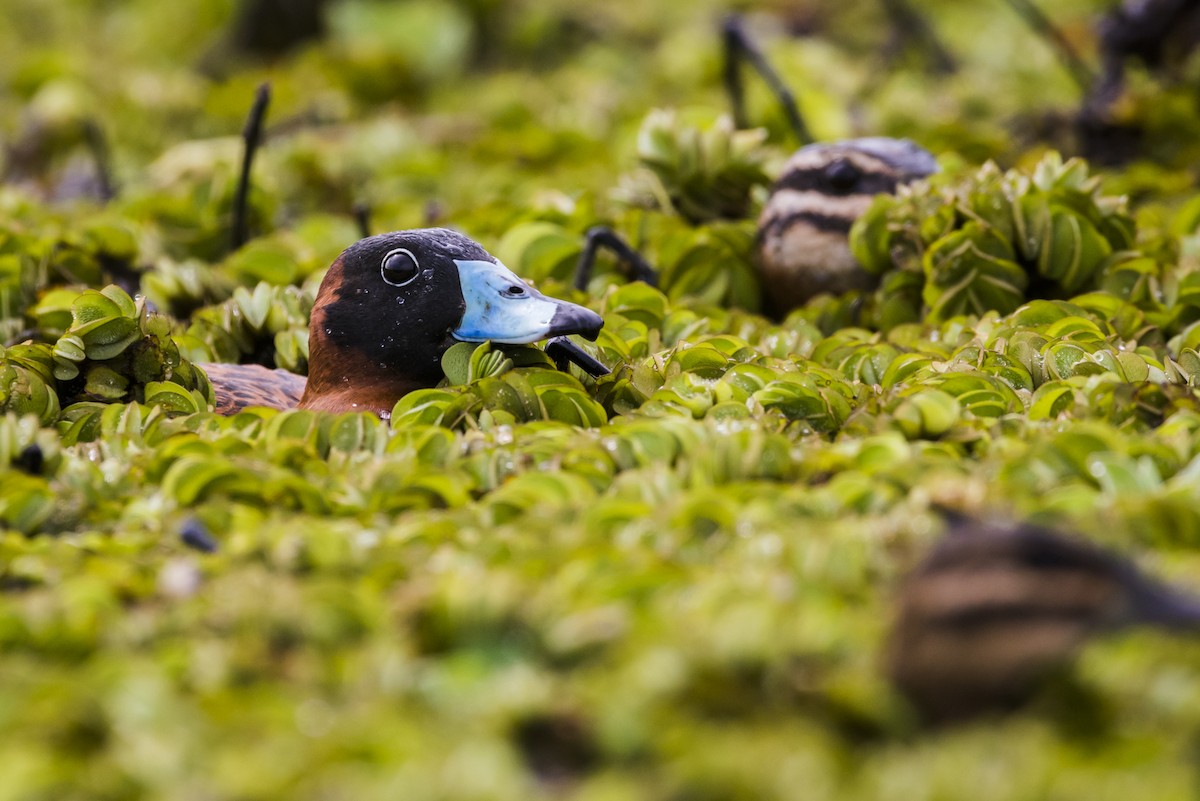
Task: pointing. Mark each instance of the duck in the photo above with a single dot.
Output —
(997, 607)
(802, 237)
(802, 244)
(386, 311)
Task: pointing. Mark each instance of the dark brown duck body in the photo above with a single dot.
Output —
(386, 311)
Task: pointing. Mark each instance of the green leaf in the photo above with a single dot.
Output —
(1051, 400)
(456, 362)
(105, 339)
(540, 250)
(1073, 251)
(120, 297)
(570, 405)
(92, 305)
(487, 361)
(638, 302)
(354, 431)
(423, 407)
(927, 414)
(971, 271)
(263, 260)
(105, 383)
(174, 398)
(193, 479)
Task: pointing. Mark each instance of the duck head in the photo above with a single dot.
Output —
(391, 305)
(803, 245)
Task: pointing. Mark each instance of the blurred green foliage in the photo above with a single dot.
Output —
(979, 246)
(672, 582)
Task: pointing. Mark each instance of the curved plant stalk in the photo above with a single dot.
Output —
(252, 135)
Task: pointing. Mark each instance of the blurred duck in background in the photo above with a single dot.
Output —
(995, 609)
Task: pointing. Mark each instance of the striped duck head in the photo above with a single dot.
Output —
(803, 246)
(392, 304)
(994, 609)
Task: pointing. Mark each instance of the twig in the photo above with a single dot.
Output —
(98, 145)
(603, 237)
(1040, 24)
(732, 71)
(362, 215)
(432, 213)
(911, 24)
(739, 47)
(252, 135)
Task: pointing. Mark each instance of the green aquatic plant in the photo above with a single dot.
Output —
(702, 174)
(486, 390)
(268, 324)
(113, 350)
(992, 240)
(673, 581)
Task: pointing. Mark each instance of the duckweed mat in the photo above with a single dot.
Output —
(672, 582)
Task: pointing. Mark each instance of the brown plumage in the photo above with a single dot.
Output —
(237, 386)
(803, 246)
(993, 609)
(386, 311)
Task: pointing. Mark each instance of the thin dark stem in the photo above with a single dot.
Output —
(911, 25)
(362, 215)
(732, 72)
(563, 351)
(603, 237)
(98, 145)
(738, 47)
(251, 135)
(1040, 24)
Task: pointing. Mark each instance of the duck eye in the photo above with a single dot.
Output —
(842, 175)
(399, 267)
